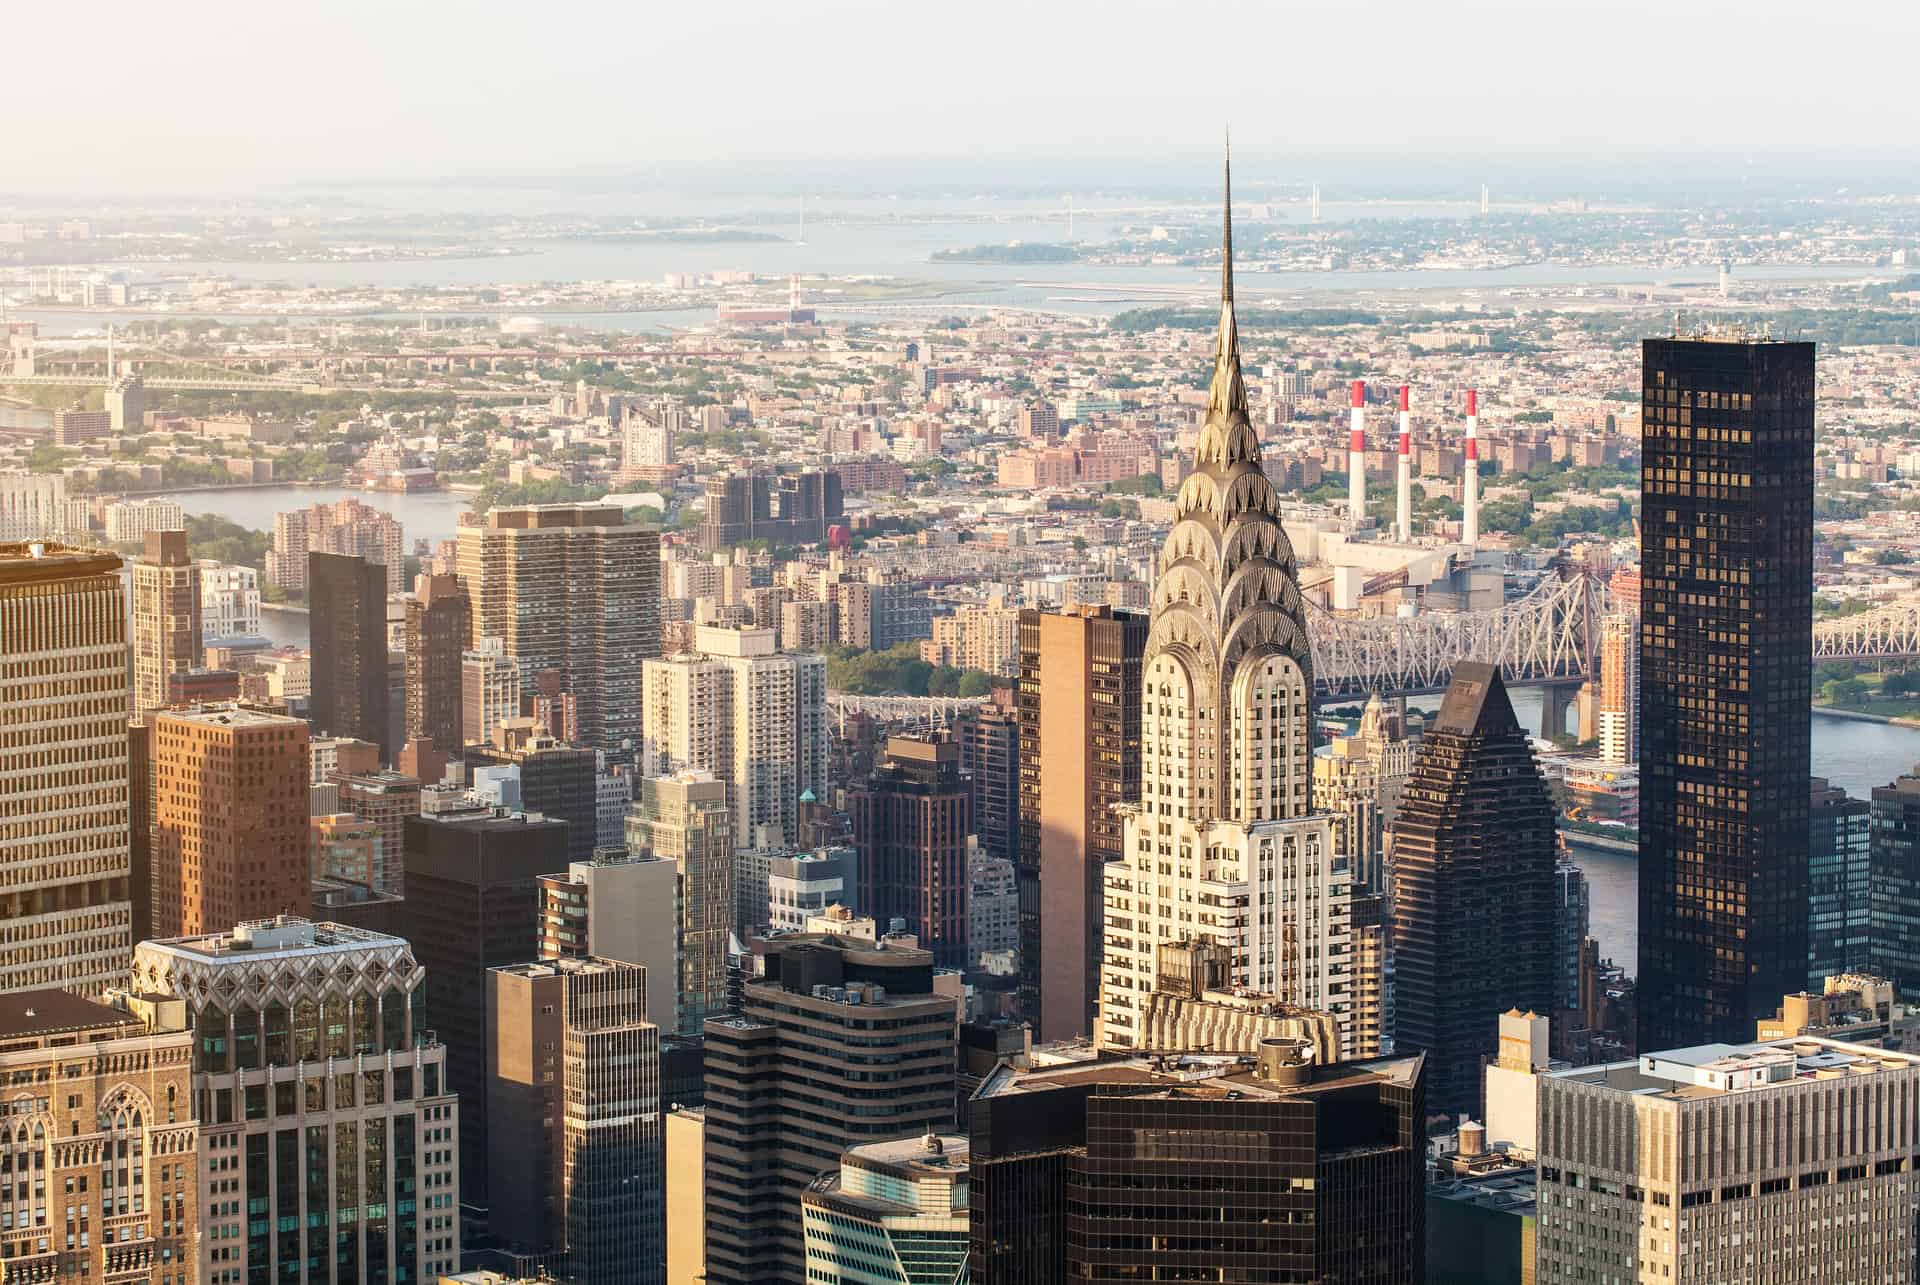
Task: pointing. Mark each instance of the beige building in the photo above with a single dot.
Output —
(102, 1104)
(687, 1201)
(683, 820)
(489, 690)
(624, 908)
(166, 618)
(1785, 1162)
(1620, 687)
(1358, 779)
(66, 918)
(984, 638)
(349, 527)
(131, 521)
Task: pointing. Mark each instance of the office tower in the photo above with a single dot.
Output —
(1200, 1167)
(112, 1081)
(1894, 881)
(229, 601)
(839, 1041)
(1620, 687)
(1572, 921)
(556, 780)
(312, 1059)
(348, 598)
(684, 821)
(1839, 883)
(1078, 760)
(166, 618)
(1726, 575)
(436, 640)
(752, 716)
(1358, 779)
(911, 820)
(66, 912)
(1223, 819)
(894, 1211)
(1473, 854)
(473, 903)
(386, 800)
(1730, 1161)
(348, 528)
(230, 817)
(619, 908)
(489, 690)
(686, 1134)
(572, 588)
(990, 759)
(573, 1087)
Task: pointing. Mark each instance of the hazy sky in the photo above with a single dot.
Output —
(124, 95)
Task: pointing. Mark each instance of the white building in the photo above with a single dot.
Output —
(129, 521)
(229, 601)
(806, 883)
(896, 1211)
(34, 506)
(489, 690)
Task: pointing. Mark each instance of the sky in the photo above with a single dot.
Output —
(223, 96)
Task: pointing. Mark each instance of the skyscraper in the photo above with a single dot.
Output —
(556, 780)
(348, 601)
(166, 618)
(489, 691)
(437, 637)
(572, 588)
(683, 820)
(1079, 712)
(990, 756)
(911, 820)
(1223, 845)
(1473, 855)
(1894, 917)
(1726, 573)
(1620, 687)
(1359, 779)
(1839, 883)
(624, 908)
(385, 799)
(66, 915)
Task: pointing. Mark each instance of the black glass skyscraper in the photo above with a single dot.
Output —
(1726, 636)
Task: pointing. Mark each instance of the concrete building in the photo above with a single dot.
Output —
(166, 618)
(384, 799)
(894, 1211)
(975, 637)
(348, 528)
(489, 690)
(1620, 687)
(437, 637)
(573, 1087)
(1722, 1162)
(311, 1059)
(66, 915)
(911, 821)
(1855, 1008)
(990, 758)
(34, 506)
(683, 820)
(113, 1082)
(349, 627)
(130, 521)
(231, 800)
(686, 1130)
(556, 780)
(1894, 881)
(345, 848)
(805, 884)
(515, 566)
(625, 909)
(839, 1041)
(229, 601)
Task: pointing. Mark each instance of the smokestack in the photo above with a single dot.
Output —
(1357, 456)
(1470, 507)
(1405, 508)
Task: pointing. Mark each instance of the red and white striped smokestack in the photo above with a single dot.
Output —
(1470, 504)
(1404, 509)
(1357, 456)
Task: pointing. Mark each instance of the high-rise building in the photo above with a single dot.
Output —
(349, 528)
(786, 509)
(489, 691)
(576, 589)
(1726, 576)
(990, 757)
(166, 618)
(684, 821)
(229, 601)
(348, 598)
(556, 780)
(231, 838)
(1079, 759)
(893, 1211)
(92, 1082)
(1473, 855)
(65, 861)
(326, 1118)
(573, 1082)
(753, 716)
(1620, 687)
(1193, 1167)
(807, 884)
(1894, 881)
(619, 908)
(1730, 1161)
(840, 1040)
(1572, 920)
(911, 820)
(1222, 844)
(437, 626)
(384, 799)
(473, 903)
(686, 1133)
(1358, 779)
(1839, 883)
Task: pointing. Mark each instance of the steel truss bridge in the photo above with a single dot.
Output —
(1890, 632)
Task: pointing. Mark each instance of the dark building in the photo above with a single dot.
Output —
(990, 757)
(1839, 883)
(783, 509)
(347, 597)
(556, 781)
(838, 1042)
(1199, 1168)
(910, 822)
(438, 629)
(1475, 894)
(202, 686)
(1895, 882)
(1726, 633)
(878, 616)
(473, 903)
(1079, 715)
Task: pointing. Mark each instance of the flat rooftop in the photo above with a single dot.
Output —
(587, 966)
(275, 938)
(1194, 1075)
(1713, 1070)
(225, 714)
(56, 1012)
(40, 561)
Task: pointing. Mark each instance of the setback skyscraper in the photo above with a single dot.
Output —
(1726, 633)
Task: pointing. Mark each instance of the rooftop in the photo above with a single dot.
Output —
(1712, 1070)
(53, 1012)
(1195, 1075)
(283, 935)
(932, 1154)
(230, 714)
(584, 965)
(40, 561)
